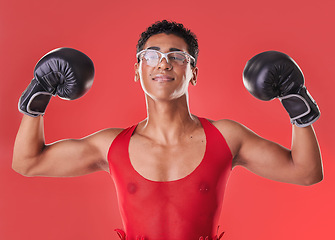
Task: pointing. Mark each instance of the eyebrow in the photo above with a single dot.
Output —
(171, 49)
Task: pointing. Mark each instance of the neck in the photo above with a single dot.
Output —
(168, 121)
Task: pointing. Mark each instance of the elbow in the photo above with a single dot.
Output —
(311, 176)
(21, 169)
(309, 181)
(21, 172)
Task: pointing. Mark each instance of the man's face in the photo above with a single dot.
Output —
(166, 80)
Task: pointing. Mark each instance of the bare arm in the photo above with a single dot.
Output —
(266, 76)
(301, 164)
(65, 158)
(306, 154)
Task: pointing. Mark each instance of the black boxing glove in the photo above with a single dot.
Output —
(272, 74)
(65, 72)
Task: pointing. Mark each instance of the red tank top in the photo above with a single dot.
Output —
(183, 209)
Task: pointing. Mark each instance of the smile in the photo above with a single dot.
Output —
(162, 78)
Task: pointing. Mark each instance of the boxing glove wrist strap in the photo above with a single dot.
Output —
(34, 99)
(301, 107)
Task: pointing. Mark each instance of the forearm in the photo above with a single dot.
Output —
(29, 143)
(306, 155)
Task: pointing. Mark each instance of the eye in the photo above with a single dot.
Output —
(177, 56)
(150, 55)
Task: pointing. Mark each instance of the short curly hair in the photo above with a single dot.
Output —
(171, 27)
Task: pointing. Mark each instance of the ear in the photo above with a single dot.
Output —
(194, 78)
(137, 75)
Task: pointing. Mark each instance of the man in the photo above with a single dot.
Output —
(170, 170)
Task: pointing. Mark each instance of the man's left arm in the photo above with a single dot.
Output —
(306, 156)
(300, 165)
(270, 75)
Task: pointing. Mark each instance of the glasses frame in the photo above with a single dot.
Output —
(164, 55)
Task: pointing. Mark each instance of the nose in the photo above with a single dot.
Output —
(164, 64)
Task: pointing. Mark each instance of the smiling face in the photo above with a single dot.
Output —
(165, 81)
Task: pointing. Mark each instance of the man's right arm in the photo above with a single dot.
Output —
(67, 73)
(65, 158)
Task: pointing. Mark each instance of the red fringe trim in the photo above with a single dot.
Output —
(122, 235)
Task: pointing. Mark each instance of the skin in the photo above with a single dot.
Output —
(170, 143)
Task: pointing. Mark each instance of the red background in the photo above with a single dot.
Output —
(229, 32)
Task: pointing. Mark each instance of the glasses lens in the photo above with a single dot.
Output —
(151, 57)
(177, 57)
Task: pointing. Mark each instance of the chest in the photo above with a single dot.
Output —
(167, 162)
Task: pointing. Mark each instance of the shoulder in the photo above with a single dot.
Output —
(101, 140)
(225, 123)
(104, 136)
(234, 133)
(229, 128)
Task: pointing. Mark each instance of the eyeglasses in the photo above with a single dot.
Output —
(154, 57)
